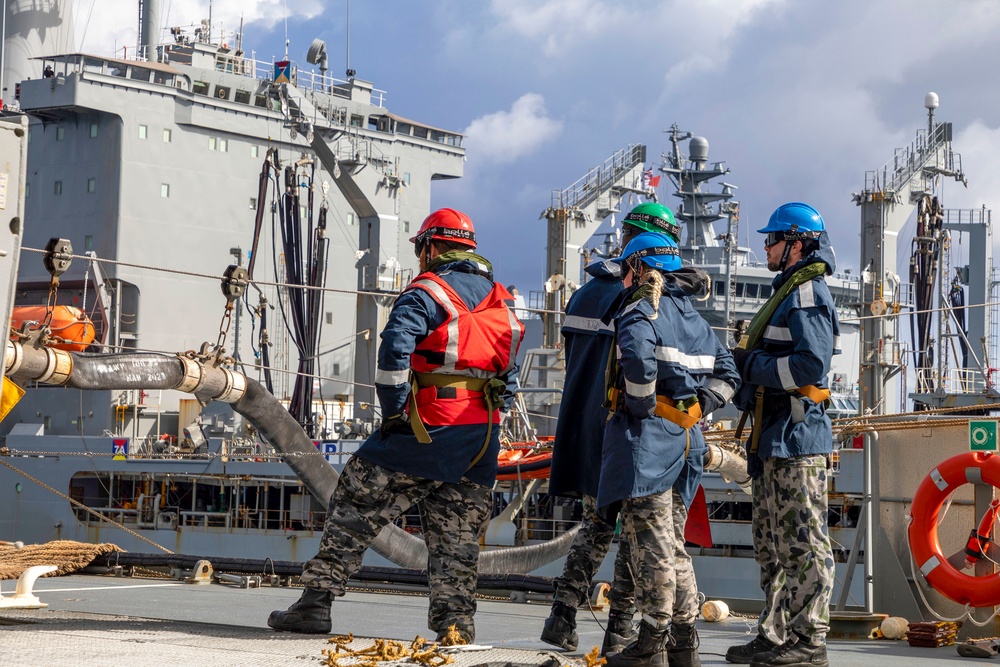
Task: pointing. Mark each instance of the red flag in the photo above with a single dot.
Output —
(697, 529)
(654, 181)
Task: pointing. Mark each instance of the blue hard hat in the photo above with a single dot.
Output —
(795, 221)
(653, 249)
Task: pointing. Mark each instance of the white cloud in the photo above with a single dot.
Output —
(505, 136)
(104, 26)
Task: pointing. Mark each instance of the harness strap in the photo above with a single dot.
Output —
(814, 393)
(684, 413)
(810, 391)
(491, 388)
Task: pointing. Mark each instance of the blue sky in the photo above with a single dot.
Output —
(800, 98)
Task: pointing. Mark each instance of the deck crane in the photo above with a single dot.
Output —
(574, 215)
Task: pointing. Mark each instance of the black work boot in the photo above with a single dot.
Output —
(620, 632)
(682, 649)
(796, 652)
(309, 614)
(560, 627)
(648, 650)
(743, 654)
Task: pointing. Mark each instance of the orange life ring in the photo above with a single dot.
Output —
(969, 468)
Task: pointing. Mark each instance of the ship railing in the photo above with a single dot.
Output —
(600, 179)
(930, 152)
(44, 6)
(119, 514)
(955, 381)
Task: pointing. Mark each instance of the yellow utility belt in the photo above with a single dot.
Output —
(491, 388)
(667, 408)
(810, 391)
(456, 381)
(814, 393)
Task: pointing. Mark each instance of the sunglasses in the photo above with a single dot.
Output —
(418, 247)
(773, 238)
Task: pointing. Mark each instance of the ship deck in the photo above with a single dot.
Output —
(111, 621)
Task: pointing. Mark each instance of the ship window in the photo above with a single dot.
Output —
(60, 133)
(406, 177)
(329, 318)
(47, 422)
(336, 369)
(140, 73)
(260, 101)
(406, 226)
(242, 96)
(167, 136)
(164, 190)
(255, 151)
(223, 145)
(751, 291)
(420, 132)
(765, 291)
(58, 188)
(253, 203)
(27, 190)
(200, 87)
(350, 219)
(720, 287)
(402, 128)
(91, 184)
(88, 242)
(93, 130)
(437, 136)
(143, 131)
(212, 143)
(357, 120)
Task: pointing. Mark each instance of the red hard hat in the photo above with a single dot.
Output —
(447, 224)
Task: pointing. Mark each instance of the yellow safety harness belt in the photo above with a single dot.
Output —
(810, 391)
(685, 414)
(492, 389)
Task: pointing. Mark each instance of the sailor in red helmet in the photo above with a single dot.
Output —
(446, 367)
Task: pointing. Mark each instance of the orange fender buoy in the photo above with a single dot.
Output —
(68, 322)
(969, 468)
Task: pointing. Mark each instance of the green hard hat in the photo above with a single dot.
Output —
(653, 217)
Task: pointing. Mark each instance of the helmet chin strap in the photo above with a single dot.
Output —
(784, 254)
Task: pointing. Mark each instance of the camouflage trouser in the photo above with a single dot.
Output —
(791, 543)
(686, 587)
(454, 517)
(648, 524)
(585, 556)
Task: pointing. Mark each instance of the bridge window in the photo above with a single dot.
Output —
(60, 133)
(93, 130)
(357, 120)
(143, 131)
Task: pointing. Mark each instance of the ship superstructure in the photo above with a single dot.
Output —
(156, 163)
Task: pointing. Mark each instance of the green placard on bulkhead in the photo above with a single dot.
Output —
(983, 435)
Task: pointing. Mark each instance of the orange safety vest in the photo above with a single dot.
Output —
(470, 347)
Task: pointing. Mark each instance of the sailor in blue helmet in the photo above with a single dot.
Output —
(784, 358)
(668, 368)
(576, 456)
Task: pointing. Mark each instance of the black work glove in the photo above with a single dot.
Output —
(396, 424)
(740, 356)
(709, 400)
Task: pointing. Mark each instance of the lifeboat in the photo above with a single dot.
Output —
(525, 460)
(68, 323)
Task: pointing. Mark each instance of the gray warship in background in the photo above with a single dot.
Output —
(186, 163)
